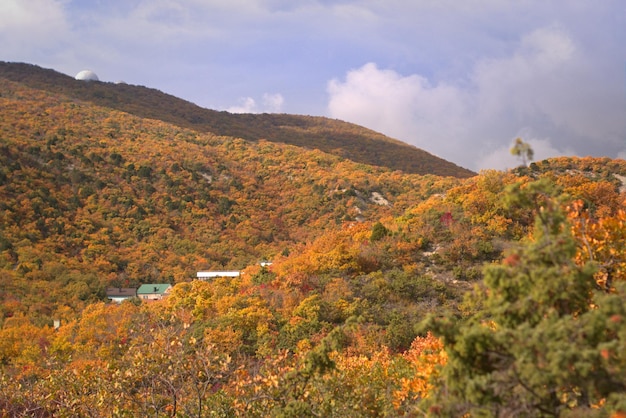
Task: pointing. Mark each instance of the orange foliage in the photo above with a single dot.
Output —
(601, 240)
(426, 356)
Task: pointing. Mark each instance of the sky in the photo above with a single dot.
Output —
(459, 79)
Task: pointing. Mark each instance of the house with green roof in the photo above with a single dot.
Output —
(153, 291)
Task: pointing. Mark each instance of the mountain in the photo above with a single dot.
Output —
(91, 196)
(332, 136)
(366, 308)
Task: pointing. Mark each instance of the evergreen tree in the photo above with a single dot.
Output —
(543, 342)
(379, 231)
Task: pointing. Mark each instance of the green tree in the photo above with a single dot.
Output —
(379, 231)
(523, 150)
(543, 341)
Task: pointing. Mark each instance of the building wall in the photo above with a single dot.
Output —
(151, 296)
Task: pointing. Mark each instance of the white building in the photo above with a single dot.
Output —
(87, 75)
(204, 275)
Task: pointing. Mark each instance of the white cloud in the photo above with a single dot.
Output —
(22, 17)
(31, 25)
(407, 108)
(247, 105)
(512, 81)
(272, 103)
(540, 87)
(502, 159)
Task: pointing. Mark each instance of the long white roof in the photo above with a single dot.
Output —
(211, 274)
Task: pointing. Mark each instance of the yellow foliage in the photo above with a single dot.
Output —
(426, 356)
(601, 239)
(227, 340)
(22, 343)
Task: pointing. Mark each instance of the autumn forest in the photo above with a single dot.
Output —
(375, 279)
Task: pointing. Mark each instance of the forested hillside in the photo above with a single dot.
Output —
(331, 136)
(127, 200)
(389, 293)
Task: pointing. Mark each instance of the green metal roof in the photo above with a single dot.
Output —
(152, 288)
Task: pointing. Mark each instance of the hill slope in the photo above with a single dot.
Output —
(93, 197)
(332, 136)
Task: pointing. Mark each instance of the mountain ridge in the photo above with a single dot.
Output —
(333, 136)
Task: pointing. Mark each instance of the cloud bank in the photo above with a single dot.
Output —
(541, 92)
(271, 103)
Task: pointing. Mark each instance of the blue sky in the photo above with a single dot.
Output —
(460, 79)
